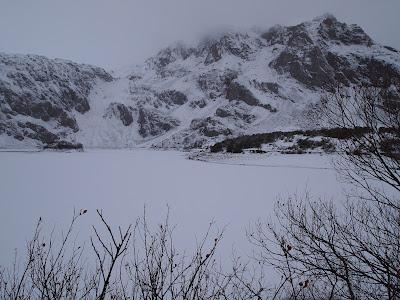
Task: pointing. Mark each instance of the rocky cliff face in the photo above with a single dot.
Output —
(39, 97)
(238, 83)
(323, 53)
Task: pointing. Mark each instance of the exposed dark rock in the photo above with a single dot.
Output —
(268, 107)
(210, 127)
(236, 91)
(66, 121)
(164, 58)
(323, 70)
(173, 97)
(228, 77)
(311, 69)
(42, 110)
(47, 90)
(233, 44)
(332, 30)
(72, 100)
(27, 105)
(38, 132)
(274, 35)
(391, 49)
(214, 54)
(223, 113)
(343, 70)
(171, 72)
(214, 83)
(379, 73)
(121, 112)
(21, 80)
(125, 115)
(152, 124)
(18, 137)
(293, 36)
(271, 87)
(170, 55)
(198, 103)
(231, 112)
(135, 77)
(308, 60)
(298, 37)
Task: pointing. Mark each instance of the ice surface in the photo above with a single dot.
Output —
(234, 191)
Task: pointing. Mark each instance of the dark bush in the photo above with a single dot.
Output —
(216, 148)
(256, 140)
(63, 145)
(306, 144)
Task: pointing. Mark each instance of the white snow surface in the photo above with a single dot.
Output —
(234, 191)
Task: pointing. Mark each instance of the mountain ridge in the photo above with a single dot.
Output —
(190, 96)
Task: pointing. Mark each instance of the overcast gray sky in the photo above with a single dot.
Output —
(114, 33)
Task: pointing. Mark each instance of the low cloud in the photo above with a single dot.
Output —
(124, 32)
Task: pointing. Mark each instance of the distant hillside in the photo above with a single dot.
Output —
(186, 97)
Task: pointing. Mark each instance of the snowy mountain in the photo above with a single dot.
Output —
(41, 98)
(184, 97)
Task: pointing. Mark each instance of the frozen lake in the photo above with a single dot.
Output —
(234, 192)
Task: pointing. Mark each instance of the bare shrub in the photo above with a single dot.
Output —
(139, 262)
(351, 251)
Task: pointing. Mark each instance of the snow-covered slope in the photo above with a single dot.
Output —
(40, 99)
(237, 83)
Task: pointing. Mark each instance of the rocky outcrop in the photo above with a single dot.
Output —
(152, 123)
(168, 56)
(226, 85)
(311, 68)
(209, 127)
(173, 97)
(378, 72)
(121, 112)
(236, 91)
(235, 113)
(311, 62)
(267, 87)
(198, 103)
(214, 83)
(214, 54)
(37, 132)
(232, 44)
(41, 89)
(292, 36)
(333, 31)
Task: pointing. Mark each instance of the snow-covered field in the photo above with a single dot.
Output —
(235, 191)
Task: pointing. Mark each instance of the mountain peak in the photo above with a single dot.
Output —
(232, 83)
(327, 17)
(338, 32)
